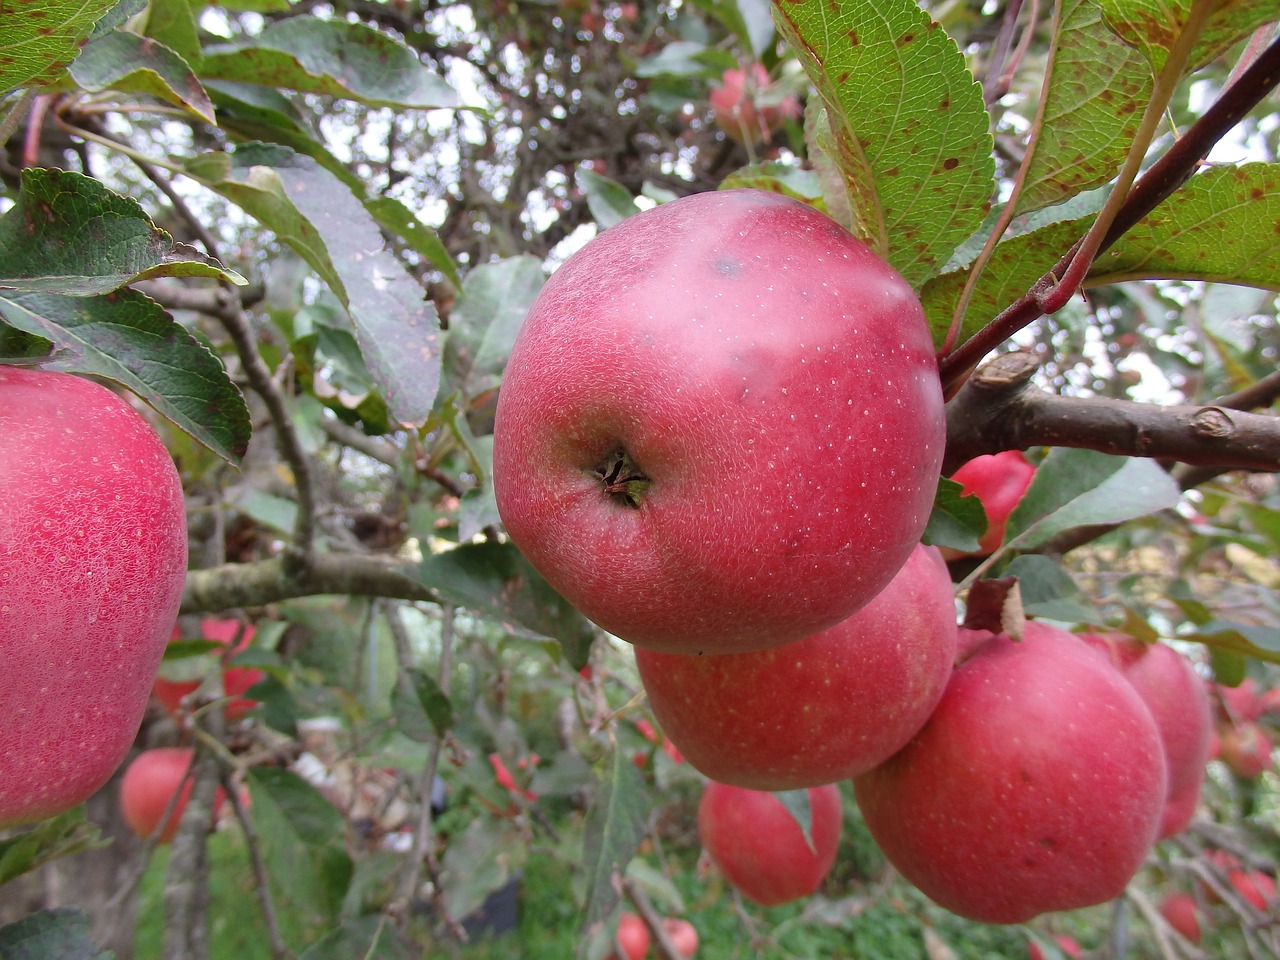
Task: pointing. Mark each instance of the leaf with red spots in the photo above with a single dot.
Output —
(908, 130)
(1153, 26)
(41, 37)
(126, 61)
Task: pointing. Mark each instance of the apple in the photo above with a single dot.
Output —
(1036, 785)
(1066, 945)
(1246, 749)
(721, 425)
(148, 786)
(235, 680)
(824, 708)
(1242, 703)
(746, 109)
(1176, 697)
(999, 481)
(632, 938)
(1180, 912)
(1256, 888)
(93, 556)
(683, 936)
(759, 847)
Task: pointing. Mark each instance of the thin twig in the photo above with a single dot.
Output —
(278, 948)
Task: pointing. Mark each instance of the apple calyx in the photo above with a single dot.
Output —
(622, 479)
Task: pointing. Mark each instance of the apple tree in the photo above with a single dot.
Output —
(299, 242)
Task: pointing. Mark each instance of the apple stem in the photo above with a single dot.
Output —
(622, 479)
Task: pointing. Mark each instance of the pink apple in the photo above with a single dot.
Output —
(999, 481)
(1176, 697)
(759, 847)
(235, 680)
(821, 709)
(1037, 785)
(93, 556)
(683, 936)
(721, 425)
(632, 938)
(148, 787)
(746, 109)
(1180, 912)
(1246, 749)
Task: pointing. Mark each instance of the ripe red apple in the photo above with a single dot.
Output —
(999, 481)
(632, 937)
(1037, 785)
(721, 425)
(1246, 749)
(1176, 697)
(746, 109)
(1242, 703)
(1180, 912)
(683, 936)
(93, 556)
(235, 680)
(149, 784)
(1066, 944)
(1256, 888)
(759, 847)
(822, 709)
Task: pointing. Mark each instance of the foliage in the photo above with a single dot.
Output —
(306, 235)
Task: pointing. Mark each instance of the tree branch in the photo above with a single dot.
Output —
(1001, 409)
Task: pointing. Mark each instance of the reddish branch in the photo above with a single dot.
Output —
(1163, 179)
(1001, 409)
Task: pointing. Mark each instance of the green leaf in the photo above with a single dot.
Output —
(609, 201)
(50, 935)
(1153, 26)
(801, 810)
(615, 825)
(494, 581)
(127, 338)
(479, 861)
(69, 234)
(776, 177)
(334, 58)
(748, 20)
(59, 836)
(1047, 590)
(482, 328)
(185, 649)
(319, 217)
(302, 837)
(432, 702)
(909, 131)
(44, 37)
(1074, 488)
(361, 938)
(394, 216)
(1097, 88)
(1220, 226)
(685, 58)
(125, 61)
(173, 23)
(957, 521)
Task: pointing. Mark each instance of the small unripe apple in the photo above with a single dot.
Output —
(1180, 912)
(759, 847)
(1037, 785)
(148, 787)
(93, 556)
(999, 481)
(721, 425)
(822, 709)
(632, 938)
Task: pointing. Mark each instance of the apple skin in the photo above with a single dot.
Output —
(93, 556)
(758, 846)
(1037, 785)
(149, 783)
(824, 708)
(774, 383)
(1176, 696)
(1180, 912)
(632, 937)
(999, 481)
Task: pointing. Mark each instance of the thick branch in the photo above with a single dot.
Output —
(235, 585)
(1000, 409)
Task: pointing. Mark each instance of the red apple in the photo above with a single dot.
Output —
(999, 481)
(759, 847)
(149, 785)
(236, 637)
(746, 109)
(632, 937)
(1180, 912)
(1256, 888)
(721, 425)
(1246, 749)
(1037, 785)
(683, 936)
(821, 709)
(1176, 697)
(1065, 944)
(93, 556)
(1242, 703)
